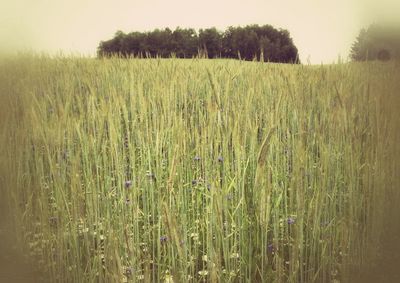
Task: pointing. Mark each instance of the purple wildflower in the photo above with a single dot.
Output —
(163, 239)
(128, 271)
(270, 247)
(197, 158)
(65, 154)
(128, 184)
(290, 220)
(220, 159)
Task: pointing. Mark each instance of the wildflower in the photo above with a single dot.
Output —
(128, 184)
(65, 154)
(163, 239)
(270, 248)
(128, 271)
(220, 159)
(229, 197)
(197, 158)
(290, 220)
(325, 223)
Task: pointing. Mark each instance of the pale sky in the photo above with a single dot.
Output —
(322, 30)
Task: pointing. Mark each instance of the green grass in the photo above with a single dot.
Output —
(240, 171)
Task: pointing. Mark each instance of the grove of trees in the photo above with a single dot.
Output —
(377, 42)
(247, 43)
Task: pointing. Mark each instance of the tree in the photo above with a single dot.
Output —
(210, 42)
(377, 42)
(186, 42)
(246, 43)
(112, 46)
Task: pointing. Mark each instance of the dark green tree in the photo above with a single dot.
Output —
(112, 46)
(210, 42)
(246, 43)
(377, 42)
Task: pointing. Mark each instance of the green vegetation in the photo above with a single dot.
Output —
(196, 170)
(250, 42)
(377, 42)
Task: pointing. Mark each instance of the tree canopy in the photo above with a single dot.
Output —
(377, 42)
(247, 43)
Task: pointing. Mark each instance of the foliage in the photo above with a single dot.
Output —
(197, 170)
(248, 43)
(377, 42)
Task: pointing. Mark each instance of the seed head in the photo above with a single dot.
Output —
(150, 175)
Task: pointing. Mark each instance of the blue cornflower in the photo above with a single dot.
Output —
(128, 184)
(163, 239)
(290, 220)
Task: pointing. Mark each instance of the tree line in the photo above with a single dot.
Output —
(252, 42)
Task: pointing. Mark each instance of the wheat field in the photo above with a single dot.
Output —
(196, 170)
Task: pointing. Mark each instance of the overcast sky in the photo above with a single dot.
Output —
(322, 30)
